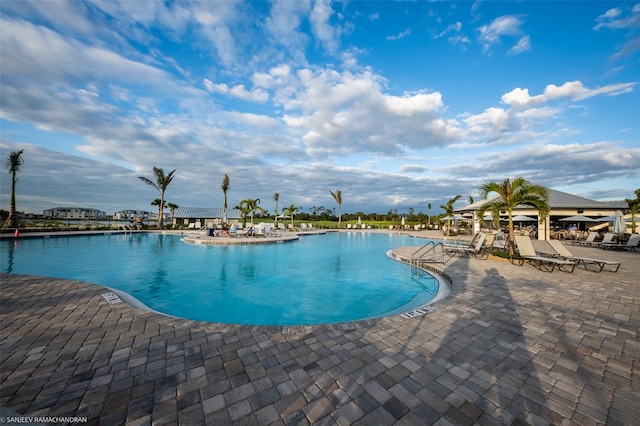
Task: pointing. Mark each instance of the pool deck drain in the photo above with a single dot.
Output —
(510, 345)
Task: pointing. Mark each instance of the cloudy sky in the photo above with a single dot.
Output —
(397, 104)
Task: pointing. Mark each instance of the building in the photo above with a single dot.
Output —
(562, 205)
(74, 213)
(203, 216)
(128, 214)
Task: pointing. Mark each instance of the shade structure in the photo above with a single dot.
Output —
(619, 226)
(521, 218)
(605, 219)
(457, 217)
(578, 218)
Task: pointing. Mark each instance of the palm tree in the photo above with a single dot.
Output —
(634, 207)
(225, 188)
(291, 210)
(244, 211)
(172, 208)
(249, 206)
(338, 197)
(276, 197)
(448, 210)
(161, 184)
(429, 214)
(13, 163)
(519, 192)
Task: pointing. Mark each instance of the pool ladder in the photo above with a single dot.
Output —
(431, 252)
(125, 228)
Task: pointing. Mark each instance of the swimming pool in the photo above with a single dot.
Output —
(332, 278)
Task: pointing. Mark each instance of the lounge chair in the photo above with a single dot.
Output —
(475, 249)
(591, 238)
(607, 239)
(631, 244)
(544, 263)
(597, 265)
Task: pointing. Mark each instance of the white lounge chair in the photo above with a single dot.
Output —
(544, 263)
(631, 244)
(597, 265)
(474, 249)
(607, 239)
(591, 238)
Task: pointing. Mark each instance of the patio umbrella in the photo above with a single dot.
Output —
(521, 218)
(457, 217)
(578, 219)
(619, 227)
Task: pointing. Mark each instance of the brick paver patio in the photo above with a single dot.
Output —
(510, 345)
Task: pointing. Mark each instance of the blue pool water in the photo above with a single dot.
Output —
(337, 277)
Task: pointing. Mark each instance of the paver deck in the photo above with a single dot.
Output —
(510, 345)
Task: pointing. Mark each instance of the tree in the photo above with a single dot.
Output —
(448, 210)
(161, 184)
(14, 163)
(276, 197)
(338, 197)
(429, 214)
(519, 192)
(249, 206)
(225, 188)
(291, 211)
(172, 208)
(634, 207)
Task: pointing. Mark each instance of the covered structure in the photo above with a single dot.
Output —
(562, 205)
(203, 216)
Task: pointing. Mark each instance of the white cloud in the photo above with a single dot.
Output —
(572, 90)
(523, 45)
(320, 17)
(238, 91)
(504, 26)
(399, 36)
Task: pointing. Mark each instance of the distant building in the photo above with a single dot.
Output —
(74, 213)
(128, 214)
(202, 216)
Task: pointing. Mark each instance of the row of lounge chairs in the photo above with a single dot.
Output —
(557, 256)
(560, 257)
(609, 242)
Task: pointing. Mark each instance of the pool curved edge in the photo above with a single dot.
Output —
(444, 280)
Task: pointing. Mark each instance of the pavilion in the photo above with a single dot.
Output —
(562, 205)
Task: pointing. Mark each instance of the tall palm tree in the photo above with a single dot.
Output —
(225, 188)
(291, 210)
(161, 184)
(14, 163)
(448, 210)
(338, 197)
(172, 207)
(429, 215)
(634, 207)
(276, 197)
(518, 192)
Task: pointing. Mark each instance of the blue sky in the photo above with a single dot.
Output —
(397, 104)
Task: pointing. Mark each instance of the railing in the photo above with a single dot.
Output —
(125, 228)
(431, 252)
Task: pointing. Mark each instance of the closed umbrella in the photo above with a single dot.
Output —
(619, 227)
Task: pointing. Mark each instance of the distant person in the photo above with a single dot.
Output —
(139, 223)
